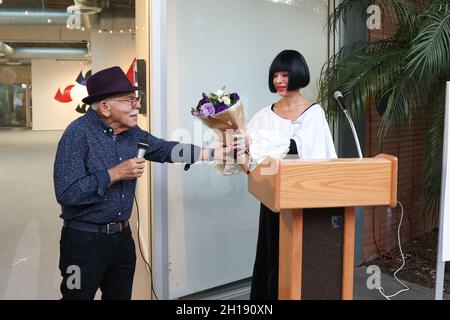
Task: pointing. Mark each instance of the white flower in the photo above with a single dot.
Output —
(226, 100)
(220, 93)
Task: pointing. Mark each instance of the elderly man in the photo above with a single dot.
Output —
(95, 174)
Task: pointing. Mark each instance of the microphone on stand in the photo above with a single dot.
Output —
(143, 146)
(340, 100)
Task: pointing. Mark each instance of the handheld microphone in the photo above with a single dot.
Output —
(143, 146)
(340, 100)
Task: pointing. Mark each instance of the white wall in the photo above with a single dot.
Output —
(142, 277)
(112, 50)
(40, 33)
(48, 76)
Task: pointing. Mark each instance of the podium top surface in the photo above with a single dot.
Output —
(292, 184)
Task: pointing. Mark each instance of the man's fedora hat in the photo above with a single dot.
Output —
(107, 83)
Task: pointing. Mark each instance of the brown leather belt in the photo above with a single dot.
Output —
(110, 228)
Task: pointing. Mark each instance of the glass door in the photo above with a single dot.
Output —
(211, 230)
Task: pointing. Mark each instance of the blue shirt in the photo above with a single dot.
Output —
(87, 149)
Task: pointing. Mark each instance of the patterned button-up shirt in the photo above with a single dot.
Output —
(87, 149)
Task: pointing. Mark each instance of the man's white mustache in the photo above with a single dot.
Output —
(134, 113)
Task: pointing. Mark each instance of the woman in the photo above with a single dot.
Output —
(304, 128)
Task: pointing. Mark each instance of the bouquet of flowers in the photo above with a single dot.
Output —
(224, 113)
(215, 103)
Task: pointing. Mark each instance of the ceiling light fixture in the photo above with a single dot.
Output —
(77, 9)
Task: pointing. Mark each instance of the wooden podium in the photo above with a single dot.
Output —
(292, 186)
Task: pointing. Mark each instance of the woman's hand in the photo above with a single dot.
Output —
(222, 153)
(241, 142)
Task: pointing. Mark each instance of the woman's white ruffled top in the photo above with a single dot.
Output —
(271, 135)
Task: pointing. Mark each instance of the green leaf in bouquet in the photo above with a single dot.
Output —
(214, 99)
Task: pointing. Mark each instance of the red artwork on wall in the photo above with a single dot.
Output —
(131, 72)
(64, 97)
(67, 95)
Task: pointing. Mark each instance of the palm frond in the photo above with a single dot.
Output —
(359, 74)
(405, 11)
(429, 56)
(398, 109)
(346, 9)
(406, 73)
(433, 161)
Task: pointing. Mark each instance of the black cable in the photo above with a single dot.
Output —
(140, 248)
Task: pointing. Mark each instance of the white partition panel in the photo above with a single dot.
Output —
(212, 220)
(444, 251)
(444, 223)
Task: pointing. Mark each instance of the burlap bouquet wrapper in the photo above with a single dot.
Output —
(225, 124)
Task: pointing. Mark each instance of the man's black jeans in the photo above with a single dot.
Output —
(90, 260)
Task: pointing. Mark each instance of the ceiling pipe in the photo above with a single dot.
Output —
(33, 17)
(43, 18)
(51, 53)
(80, 54)
(117, 18)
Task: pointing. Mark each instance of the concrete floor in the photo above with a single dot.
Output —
(30, 227)
(241, 290)
(390, 286)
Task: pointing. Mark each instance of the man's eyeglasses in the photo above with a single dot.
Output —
(132, 100)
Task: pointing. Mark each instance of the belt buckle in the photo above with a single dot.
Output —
(108, 228)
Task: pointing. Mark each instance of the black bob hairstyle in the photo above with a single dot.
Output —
(294, 63)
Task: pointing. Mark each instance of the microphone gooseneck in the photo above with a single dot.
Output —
(340, 100)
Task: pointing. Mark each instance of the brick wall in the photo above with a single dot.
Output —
(380, 228)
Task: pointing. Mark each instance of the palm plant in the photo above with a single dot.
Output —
(403, 75)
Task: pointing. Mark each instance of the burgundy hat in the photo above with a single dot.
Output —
(107, 83)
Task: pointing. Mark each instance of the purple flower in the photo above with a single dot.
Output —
(234, 97)
(220, 107)
(208, 109)
(204, 100)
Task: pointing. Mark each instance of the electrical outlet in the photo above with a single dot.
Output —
(336, 222)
